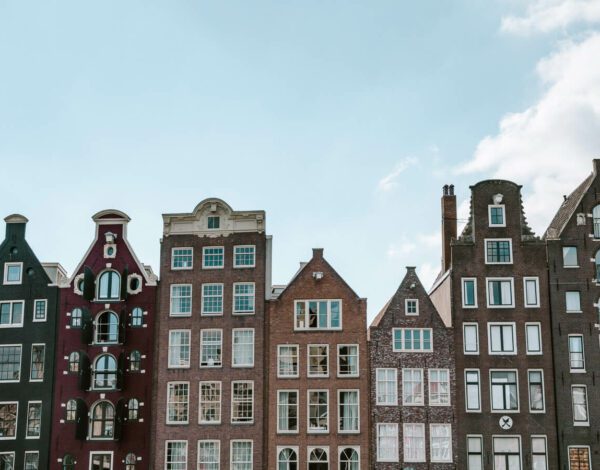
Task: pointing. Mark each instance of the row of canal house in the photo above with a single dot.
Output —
(214, 367)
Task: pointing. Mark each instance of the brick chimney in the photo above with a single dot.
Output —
(596, 163)
(448, 224)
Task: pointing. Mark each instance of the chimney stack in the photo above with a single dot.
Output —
(448, 224)
(15, 227)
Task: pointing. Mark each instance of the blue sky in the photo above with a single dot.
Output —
(341, 119)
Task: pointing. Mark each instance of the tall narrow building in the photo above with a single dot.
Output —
(495, 286)
(411, 354)
(210, 371)
(573, 244)
(104, 356)
(318, 386)
(28, 314)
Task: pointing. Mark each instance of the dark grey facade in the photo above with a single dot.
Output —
(28, 314)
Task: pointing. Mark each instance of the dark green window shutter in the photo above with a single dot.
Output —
(120, 415)
(87, 326)
(122, 326)
(81, 420)
(124, 283)
(89, 284)
(85, 371)
(121, 365)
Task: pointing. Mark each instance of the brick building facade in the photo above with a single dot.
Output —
(411, 357)
(318, 405)
(209, 373)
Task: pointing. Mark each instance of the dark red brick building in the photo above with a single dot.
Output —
(102, 398)
(318, 383)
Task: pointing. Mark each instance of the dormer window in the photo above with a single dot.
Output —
(13, 273)
(496, 215)
(109, 286)
(214, 222)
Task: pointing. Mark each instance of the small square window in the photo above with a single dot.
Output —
(214, 222)
(411, 306)
(213, 257)
(182, 258)
(13, 273)
(498, 251)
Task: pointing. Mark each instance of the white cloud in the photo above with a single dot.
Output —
(388, 182)
(548, 15)
(427, 274)
(548, 147)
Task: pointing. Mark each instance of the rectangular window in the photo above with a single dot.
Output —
(8, 460)
(243, 347)
(318, 314)
(243, 297)
(211, 345)
(13, 273)
(38, 356)
(502, 338)
(34, 420)
(32, 460)
(244, 256)
(8, 420)
(411, 306)
(212, 299)
(179, 348)
(496, 215)
(412, 387)
(209, 455)
(178, 402)
(414, 442)
(580, 405)
(287, 411)
(570, 257)
(287, 360)
(11, 313)
(210, 403)
(573, 301)
(348, 411)
(500, 292)
(241, 455)
(474, 453)
(576, 353)
(441, 442)
(439, 387)
(40, 310)
(242, 402)
(507, 453)
(533, 338)
(387, 387)
(181, 300)
(176, 455)
(504, 390)
(531, 289)
(412, 340)
(387, 442)
(10, 363)
(318, 411)
(347, 360)
(214, 222)
(498, 251)
(213, 257)
(471, 338)
(579, 458)
(537, 400)
(182, 258)
(472, 390)
(469, 292)
(318, 360)
(539, 453)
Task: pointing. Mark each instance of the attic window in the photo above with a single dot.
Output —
(214, 222)
(411, 307)
(13, 273)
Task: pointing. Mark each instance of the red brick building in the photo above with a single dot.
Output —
(318, 385)
(102, 398)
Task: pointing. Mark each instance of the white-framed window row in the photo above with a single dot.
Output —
(502, 338)
(348, 411)
(11, 313)
(439, 387)
(497, 215)
(469, 292)
(40, 310)
(414, 442)
(500, 292)
(13, 273)
(472, 391)
(317, 410)
(440, 442)
(347, 360)
(386, 386)
(317, 360)
(531, 291)
(243, 298)
(413, 393)
(288, 361)
(209, 453)
(504, 391)
(242, 347)
(288, 404)
(181, 300)
(498, 251)
(213, 257)
(411, 307)
(471, 338)
(244, 256)
(10, 363)
(416, 340)
(325, 314)
(533, 338)
(387, 442)
(210, 398)
(182, 258)
(536, 390)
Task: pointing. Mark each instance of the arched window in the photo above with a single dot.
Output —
(135, 361)
(133, 409)
(349, 460)
(317, 459)
(109, 286)
(596, 216)
(71, 410)
(107, 328)
(68, 462)
(287, 460)
(137, 317)
(130, 461)
(103, 420)
(105, 372)
(76, 316)
(74, 362)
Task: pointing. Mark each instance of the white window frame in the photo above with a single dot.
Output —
(571, 370)
(429, 382)
(406, 304)
(505, 411)
(421, 402)
(30, 452)
(205, 249)
(377, 382)
(543, 410)
(220, 420)
(208, 441)
(20, 362)
(12, 302)
(283, 431)
(587, 406)
(9, 264)
(343, 448)
(488, 291)
(496, 206)
(580, 447)
(536, 280)
(177, 423)
(242, 266)
(220, 330)
(213, 217)
(167, 442)
(537, 325)
(231, 443)
(431, 426)
(566, 303)
(27, 436)
(233, 354)
(184, 268)
(462, 283)
(308, 428)
(503, 436)
(251, 421)
(31, 362)
(422, 341)
(470, 325)
(186, 314)
(513, 326)
(570, 266)
(9, 402)
(308, 356)
(329, 315)
(510, 247)
(233, 307)
(105, 452)
(290, 376)
(294, 448)
(339, 402)
(212, 314)
(467, 409)
(404, 440)
(339, 374)
(396, 458)
(35, 303)
(309, 450)
(480, 438)
(189, 333)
